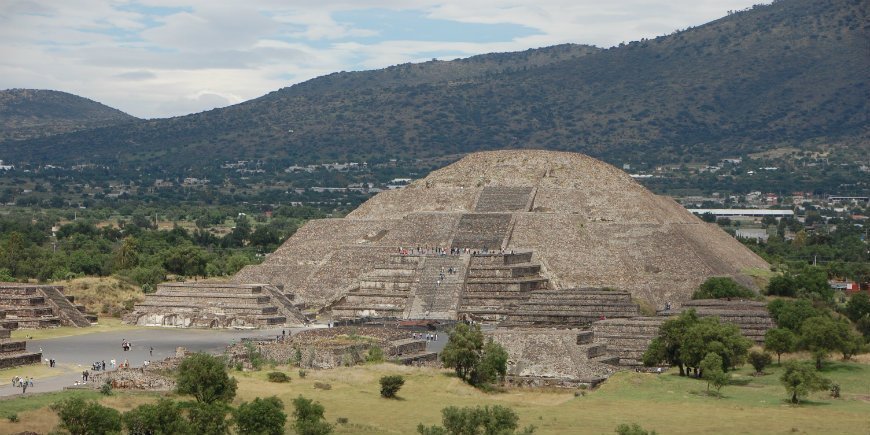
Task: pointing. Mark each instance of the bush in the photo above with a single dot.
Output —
(390, 385)
(278, 377)
(308, 416)
(759, 360)
(302, 374)
(486, 420)
(375, 355)
(341, 420)
(261, 417)
(633, 429)
(13, 417)
(322, 386)
(106, 389)
(720, 288)
(205, 378)
(80, 417)
(164, 417)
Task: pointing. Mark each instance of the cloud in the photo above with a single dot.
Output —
(158, 58)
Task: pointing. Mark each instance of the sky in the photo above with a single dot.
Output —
(162, 58)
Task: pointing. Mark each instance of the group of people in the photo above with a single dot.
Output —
(427, 336)
(433, 251)
(98, 366)
(22, 383)
(126, 345)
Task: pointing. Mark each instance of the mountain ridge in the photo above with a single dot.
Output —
(782, 74)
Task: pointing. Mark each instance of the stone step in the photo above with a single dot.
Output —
(503, 199)
(20, 359)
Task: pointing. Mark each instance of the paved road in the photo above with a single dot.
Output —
(77, 353)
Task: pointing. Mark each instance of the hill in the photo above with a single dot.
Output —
(789, 74)
(33, 113)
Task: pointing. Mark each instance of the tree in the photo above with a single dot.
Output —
(820, 336)
(492, 365)
(205, 378)
(632, 429)
(126, 256)
(665, 348)
(260, 417)
(850, 341)
(709, 335)
(496, 420)
(721, 287)
(799, 379)
(792, 314)
(759, 360)
(858, 306)
(81, 417)
(187, 260)
(462, 351)
(390, 385)
(711, 371)
(308, 416)
(782, 285)
(209, 418)
(779, 341)
(161, 418)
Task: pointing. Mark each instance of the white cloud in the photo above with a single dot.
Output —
(157, 58)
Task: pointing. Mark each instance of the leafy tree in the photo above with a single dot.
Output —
(390, 385)
(720, 288)
(759, 360)
(205, 377)
(260, 417)
(126, 255)
(209, 418)
(633, 429)
(309, 419)
(462, 351)
(858, 306)
(799, 379)
(161, 418)
(81, 417)
(709, 335)
(665, 348)
(850, 341)
(780, 341)
(812, 282)
(187, 260)
(492, 365)
(820, 335)
(782, 285)
(711, 371)
(792, 314)
(496, 420)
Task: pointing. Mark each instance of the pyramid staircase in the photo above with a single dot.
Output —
(437, 291)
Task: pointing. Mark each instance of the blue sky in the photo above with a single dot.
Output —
(160, 58)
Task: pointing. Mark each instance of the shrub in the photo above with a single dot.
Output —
(164, 417)
(390, 385)
(375, 355)
(80, 417)
(759, 360)
(308, 416)
(720, 288)
(13, 417)
(261, 417)
(487, 420)
(278, 377)
(302, 373)
(322, 386)
(106, 389)
(341, 420)
(633, 429)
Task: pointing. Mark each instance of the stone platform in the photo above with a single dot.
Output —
(41, 306)
(14, 353)
(214, 305)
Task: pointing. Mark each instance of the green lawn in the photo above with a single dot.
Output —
(666, 403)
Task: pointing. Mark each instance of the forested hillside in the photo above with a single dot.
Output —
(793, 73)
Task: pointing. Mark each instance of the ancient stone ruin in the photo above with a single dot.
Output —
(558, 250)
(215, 305)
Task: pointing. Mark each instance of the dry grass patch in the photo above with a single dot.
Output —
(104, 324)
(106, 296)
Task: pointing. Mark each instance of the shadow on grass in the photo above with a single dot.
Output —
(740, 382)
(809, 403)
(841, 366)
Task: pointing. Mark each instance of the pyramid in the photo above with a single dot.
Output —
(495, 236)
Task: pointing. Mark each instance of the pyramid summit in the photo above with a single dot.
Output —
(521, 237)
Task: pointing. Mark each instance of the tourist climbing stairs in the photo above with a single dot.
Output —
(438, 288)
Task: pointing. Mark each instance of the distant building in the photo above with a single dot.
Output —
(758, 234)
(730, 212)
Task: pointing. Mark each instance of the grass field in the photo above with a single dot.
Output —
(667, 403)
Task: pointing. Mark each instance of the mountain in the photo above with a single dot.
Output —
(33, 113)
(793, 73)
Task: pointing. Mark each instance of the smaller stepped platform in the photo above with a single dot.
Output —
(548, 357)
(627, 338)
(504, 199)
(383, 292)
(572, 308)
(751, 317)
(213, 305)
(29, 307)
(13, 353)
(497, 284)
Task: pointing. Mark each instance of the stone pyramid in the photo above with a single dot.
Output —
(524, 227)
